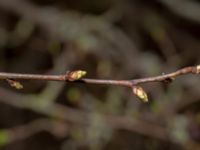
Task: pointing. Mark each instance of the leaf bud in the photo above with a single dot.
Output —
(140, 93)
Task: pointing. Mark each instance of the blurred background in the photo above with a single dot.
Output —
(111, 39)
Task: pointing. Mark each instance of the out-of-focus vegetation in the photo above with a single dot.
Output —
(112, 39)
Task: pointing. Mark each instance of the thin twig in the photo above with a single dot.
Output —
(171, 76)
(20, 76)
(128, 83)
(77, 76)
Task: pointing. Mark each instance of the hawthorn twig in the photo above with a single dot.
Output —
(160, 78)
(128, 83)
(77, 76)
(170, 76)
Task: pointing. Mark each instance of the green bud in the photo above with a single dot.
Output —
(76, 75)
(140, 93)
(198, 69)
(15, 84)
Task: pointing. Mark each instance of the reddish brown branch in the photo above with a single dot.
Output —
(172, 76)
(77, 76)
(128, 83)
(20, 76)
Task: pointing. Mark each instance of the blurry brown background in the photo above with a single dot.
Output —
(111, 39)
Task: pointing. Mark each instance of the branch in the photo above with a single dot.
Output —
(56, 128)
(179, 7)
(77, 76)
(83, 118)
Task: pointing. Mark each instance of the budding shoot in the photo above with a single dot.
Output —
(76, 75)
(140, 93)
